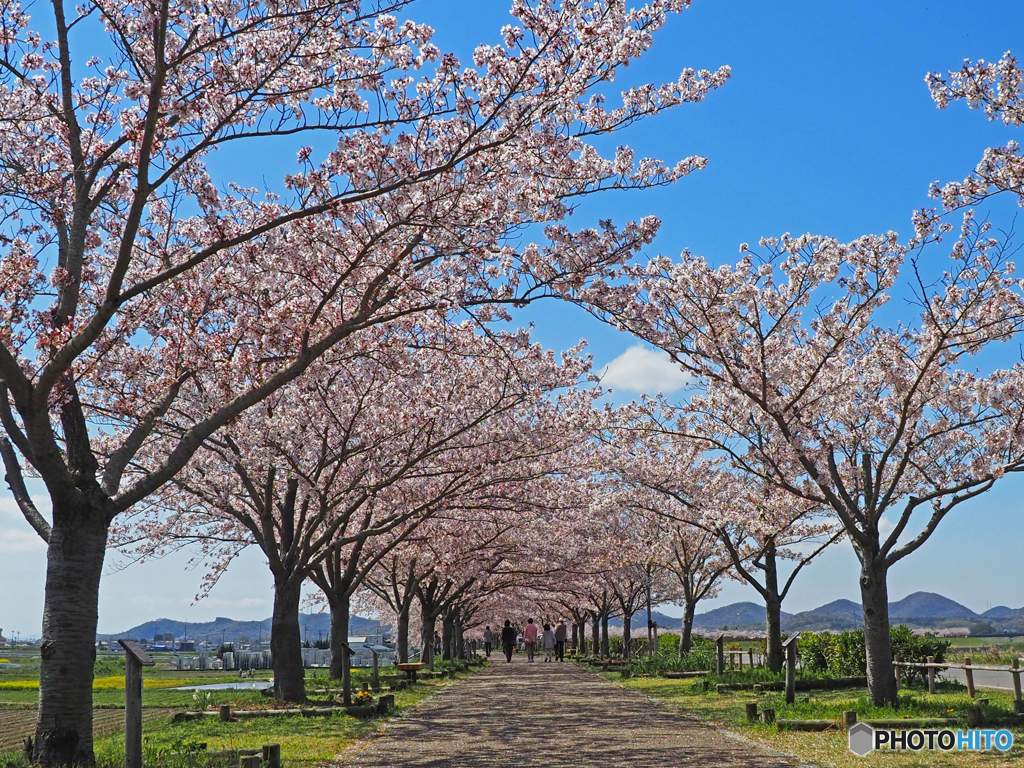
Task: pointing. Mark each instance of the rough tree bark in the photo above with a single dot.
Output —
(340, 662)
(627, 636)
(77, 545)
(686, 637)
(286, 641)
(874, 594)
(402, 635)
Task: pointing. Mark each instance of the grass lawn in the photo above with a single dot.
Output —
(829, 748)
(304, 741)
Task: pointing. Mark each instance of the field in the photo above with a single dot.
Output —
(304, 741)
(829, 748)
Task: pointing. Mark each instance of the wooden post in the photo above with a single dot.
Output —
(970, 676)
(790, 646)
(375, 676)
(767, 716)
(225, 713)
(740, 654)
(721, 655)
(974, 717)
(1018, 705)
(849, 719)
(250, 761)
(271, 756)
(135, 659)
(751, 652)
(751, 711)
(931, 675)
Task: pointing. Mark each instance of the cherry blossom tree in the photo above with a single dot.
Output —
(130, 272)
(808, 390)
(350, 452)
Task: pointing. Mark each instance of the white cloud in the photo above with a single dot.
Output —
(645, 371)
(13, 540)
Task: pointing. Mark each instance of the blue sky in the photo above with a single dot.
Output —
(826, 126)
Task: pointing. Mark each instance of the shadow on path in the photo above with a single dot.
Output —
(551, 715)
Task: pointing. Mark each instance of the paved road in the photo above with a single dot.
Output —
(982, 678)
(551, 715)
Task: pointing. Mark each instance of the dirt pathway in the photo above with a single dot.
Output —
(553, 715)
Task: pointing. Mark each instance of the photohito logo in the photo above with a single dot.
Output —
(864, 739)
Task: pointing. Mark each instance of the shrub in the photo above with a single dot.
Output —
(907, 647)
(843, 655)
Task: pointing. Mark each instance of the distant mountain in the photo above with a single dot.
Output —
(314, 626)
(928, 605)
(735, 616)
(918, 610)
(1003, 612)
(639, 621)
(837, 616)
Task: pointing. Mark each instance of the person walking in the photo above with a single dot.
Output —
(548, 641)
(488, 641)
(508, 640)
(530, 639)
(560, 634)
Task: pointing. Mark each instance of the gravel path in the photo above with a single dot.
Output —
(553, 715)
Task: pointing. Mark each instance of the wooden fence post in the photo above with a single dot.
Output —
(931, 675)
(721, 655)
(849, 719)
(375, 675)
(1018, 705)
(135, 658)
(751, 652)
(751, 708)
(790, 646)
(271, 756)
(970, 676)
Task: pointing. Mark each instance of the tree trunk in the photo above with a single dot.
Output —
(686, 639)
(773, 636)
(427, 638)
(874, 594)
(286, 642)
(402, 642)
(447, 637)
(627, 634)
(595, 631)
(605, 649)
(74, 564)
(773, 608)
(340, 662)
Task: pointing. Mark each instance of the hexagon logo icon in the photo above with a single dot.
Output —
(862, 739)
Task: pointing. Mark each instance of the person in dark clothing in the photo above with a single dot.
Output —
(560, 633)
(508, 640)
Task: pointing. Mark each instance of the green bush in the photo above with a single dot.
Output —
(843, 654)
(907, 647)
